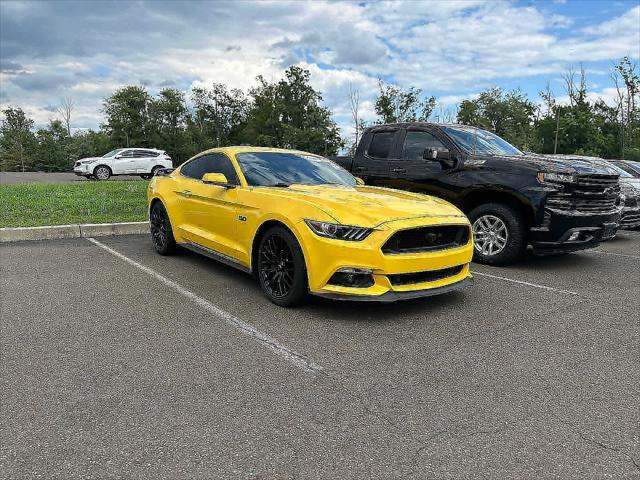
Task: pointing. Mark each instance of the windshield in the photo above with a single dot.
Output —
(112, 153)
(474, 140)
(631, 172)
(274, 168)
(622, 172)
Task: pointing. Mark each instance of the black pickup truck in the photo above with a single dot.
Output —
(513, 199)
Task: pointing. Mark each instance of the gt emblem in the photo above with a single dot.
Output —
(242, 218)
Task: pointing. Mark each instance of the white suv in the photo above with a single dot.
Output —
(124, 161)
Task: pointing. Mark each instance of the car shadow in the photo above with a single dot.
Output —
(345, 309)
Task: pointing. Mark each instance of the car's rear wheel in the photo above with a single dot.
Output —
(102, 172)
(498, 234)
(148, 176)
(161, 231)
(281, 268)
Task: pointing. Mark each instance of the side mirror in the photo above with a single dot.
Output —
(216, 179)
(441, 155)
(359, 181)
(118, 157)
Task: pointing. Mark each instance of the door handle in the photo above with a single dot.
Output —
(359, 169)
(399, 170)
(186, 193)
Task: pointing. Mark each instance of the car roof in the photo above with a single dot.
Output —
(233, 150)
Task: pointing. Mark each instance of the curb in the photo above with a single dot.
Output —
(51, 232)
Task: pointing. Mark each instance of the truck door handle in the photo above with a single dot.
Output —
(186, 193)
(399, 170)
(359, 169)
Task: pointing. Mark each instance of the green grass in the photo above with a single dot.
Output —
(28, 205)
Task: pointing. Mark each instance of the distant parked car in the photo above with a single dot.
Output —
(124, 161)
(629, 166)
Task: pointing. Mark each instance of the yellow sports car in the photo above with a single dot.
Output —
(302, 224)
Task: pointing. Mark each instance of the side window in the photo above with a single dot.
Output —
(128, 154)
(220, 163)
(212, 163)
(381, 144)
(415, 143)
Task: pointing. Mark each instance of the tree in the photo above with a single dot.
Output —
(167, 119)
(127, 116)
(396, 105)
(507, 114)
(289, 114)
(354, 106)
(65, 109)
(53, 148)
(17, 141)
(219, 114)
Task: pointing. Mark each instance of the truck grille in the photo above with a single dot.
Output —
(427, 239)
(398, 279)
(590, 194)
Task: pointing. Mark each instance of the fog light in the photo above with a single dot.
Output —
(574, 236)
(352, 277)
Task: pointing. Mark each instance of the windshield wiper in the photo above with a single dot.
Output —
(279, 184)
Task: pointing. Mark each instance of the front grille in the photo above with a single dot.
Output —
(398, 279)
(631, 218)
(427, 239)
(590, 194)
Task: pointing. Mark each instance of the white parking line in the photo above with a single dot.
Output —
(296, 358)
(544, 287)
(616, 254)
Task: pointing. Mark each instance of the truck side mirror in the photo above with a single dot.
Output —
(440, 155)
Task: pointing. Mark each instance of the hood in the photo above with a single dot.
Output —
(87, 159)
(371, 206)
(571, 164)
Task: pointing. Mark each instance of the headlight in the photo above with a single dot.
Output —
(83, 162)
(338, 232)
(556, 177)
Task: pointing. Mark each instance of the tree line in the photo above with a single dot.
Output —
(289, 113)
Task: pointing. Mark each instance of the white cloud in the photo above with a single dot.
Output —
(445, 48)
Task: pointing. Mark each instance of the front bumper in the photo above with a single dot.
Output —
(394, 296)
(559, 226)
(82, 170)
(324, 257)
(630, 218)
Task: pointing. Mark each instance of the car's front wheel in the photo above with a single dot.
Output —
(102, 172)
(281, 268)
(161, 231)
(499, 236)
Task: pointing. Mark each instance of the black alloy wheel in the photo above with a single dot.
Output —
(161, 232)
(281, 269)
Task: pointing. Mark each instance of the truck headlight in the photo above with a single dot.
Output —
(337, 231)
(556, 177)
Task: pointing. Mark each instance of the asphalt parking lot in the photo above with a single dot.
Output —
(11, 178)
(119, 363)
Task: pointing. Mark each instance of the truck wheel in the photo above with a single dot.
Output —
(498, 234)
(281, 268)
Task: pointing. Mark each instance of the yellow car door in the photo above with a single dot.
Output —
(210, 212)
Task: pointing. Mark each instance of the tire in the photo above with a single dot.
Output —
(102, 172)
(161, 231)
(493, 222)
(148, 176)
(282, 272)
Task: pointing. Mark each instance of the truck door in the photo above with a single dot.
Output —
(372, 160)
(415, 173)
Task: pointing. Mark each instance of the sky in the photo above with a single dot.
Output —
(453, 50)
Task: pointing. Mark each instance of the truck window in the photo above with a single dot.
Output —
(381, 143)
(415, 142)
